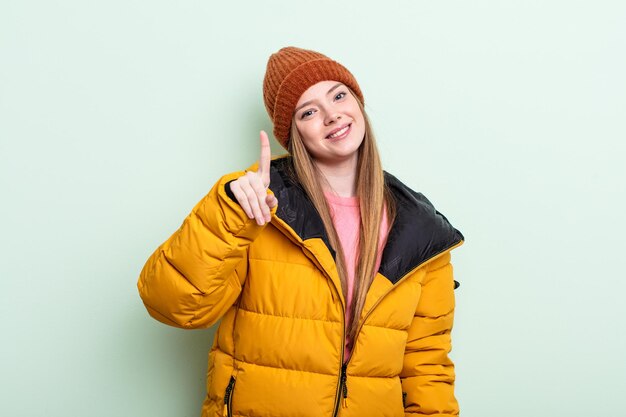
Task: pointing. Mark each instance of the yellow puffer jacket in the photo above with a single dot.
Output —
(278, 350)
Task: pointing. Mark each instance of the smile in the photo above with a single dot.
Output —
(341, 133)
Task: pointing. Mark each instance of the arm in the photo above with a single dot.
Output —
(428, 373)
(196, 275)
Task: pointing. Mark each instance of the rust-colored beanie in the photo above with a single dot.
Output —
(290, 72)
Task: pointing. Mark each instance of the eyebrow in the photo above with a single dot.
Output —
(310, 101)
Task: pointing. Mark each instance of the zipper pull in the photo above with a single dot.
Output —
(229, 389)
(344, 383)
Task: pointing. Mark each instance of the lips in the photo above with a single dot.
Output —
(339, 132)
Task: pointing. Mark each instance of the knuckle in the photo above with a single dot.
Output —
(259, 189)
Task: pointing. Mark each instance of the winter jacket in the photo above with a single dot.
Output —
(278, 350)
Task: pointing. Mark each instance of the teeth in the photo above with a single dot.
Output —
(339, 133)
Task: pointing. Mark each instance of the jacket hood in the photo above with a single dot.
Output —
(418, 233)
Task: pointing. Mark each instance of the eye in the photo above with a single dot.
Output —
(306, 114)
(339, 96)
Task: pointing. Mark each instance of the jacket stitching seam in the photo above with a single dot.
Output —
(374, 376)
(318, 373)
(308, 265)
(385, 327)
(287, 317)
(284, 369)
(441, 316)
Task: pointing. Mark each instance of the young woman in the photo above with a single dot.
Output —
(332, 279)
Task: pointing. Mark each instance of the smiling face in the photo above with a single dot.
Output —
(330, 122)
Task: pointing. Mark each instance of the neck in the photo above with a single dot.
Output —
(340, 177)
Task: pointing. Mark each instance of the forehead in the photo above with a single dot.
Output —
(317, 91)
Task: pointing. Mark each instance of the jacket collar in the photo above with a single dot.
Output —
(419, 231)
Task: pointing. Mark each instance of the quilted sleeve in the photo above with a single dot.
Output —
(428, 373)
(196, 275)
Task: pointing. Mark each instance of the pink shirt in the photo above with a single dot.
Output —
(346, 219)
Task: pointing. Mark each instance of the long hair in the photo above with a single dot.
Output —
(374, 195)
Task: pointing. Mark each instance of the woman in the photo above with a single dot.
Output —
(290, 251)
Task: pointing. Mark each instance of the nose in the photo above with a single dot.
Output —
(332, 117)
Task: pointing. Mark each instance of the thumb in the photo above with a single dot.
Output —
(271, 201)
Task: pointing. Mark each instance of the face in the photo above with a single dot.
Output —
(330, 122)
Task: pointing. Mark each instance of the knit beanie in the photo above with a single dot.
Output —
(290, 72)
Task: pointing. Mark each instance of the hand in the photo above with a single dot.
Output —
(250, 189)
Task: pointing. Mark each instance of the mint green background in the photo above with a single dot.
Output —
(117, 117)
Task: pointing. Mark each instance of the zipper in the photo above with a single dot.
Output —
(342, 389)
(344, 384)
(228, 398)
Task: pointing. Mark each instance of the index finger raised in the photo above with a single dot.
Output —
(264, 160)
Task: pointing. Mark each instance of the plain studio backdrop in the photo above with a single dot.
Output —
(117, 117)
